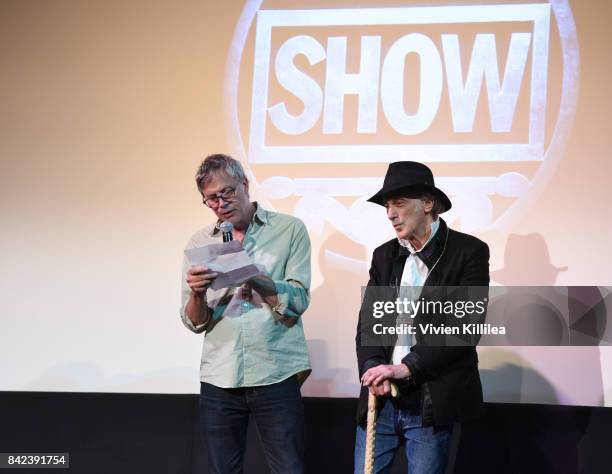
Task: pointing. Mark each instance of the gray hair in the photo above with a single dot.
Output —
(437, 208)
(219, 162)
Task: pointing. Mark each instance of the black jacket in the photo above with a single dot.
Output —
(444, 379)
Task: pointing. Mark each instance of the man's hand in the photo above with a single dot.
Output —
(381, 390)
(264, 285)
(199, 278)
(376, 376)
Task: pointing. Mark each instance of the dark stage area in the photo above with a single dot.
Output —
(131, 433)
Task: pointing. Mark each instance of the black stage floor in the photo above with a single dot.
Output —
(133, 433)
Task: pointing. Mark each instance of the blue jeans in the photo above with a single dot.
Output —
(279, 416)
(427, 448)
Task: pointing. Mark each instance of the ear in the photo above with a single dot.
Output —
(246, 186)
(427, 205)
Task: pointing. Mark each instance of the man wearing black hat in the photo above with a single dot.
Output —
(439, 385)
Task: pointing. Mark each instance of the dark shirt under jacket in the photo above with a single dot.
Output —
(445, 380)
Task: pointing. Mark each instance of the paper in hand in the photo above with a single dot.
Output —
(228, 259)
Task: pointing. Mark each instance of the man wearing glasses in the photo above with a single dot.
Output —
(254, 355)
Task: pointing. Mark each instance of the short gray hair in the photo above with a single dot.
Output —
(219, 162)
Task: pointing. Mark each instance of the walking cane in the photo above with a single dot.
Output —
(371, 430)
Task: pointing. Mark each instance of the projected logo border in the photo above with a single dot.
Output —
(570, 86)
(259, 152)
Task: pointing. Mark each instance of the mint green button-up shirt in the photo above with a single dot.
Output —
(245, 343)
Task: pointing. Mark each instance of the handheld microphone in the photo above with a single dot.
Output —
(226, 230)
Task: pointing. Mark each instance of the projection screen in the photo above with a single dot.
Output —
(109, 107)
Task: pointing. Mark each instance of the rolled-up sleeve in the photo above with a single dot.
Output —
(293, 291)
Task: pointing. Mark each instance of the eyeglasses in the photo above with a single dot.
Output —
(227, 194)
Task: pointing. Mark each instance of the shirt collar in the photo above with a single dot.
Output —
(260, 216)
(406, 243)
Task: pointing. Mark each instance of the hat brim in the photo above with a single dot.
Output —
(380, 196)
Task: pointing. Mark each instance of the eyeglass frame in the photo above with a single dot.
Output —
(228, 195)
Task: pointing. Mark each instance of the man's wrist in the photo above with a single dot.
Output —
(404, 372)
(199, 295)
(197, 308)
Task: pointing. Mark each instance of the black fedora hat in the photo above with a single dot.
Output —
(409, 176)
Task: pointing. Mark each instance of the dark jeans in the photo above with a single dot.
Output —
(427, 449)
(279, 416)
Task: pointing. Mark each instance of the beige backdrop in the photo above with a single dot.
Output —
(107, 109)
